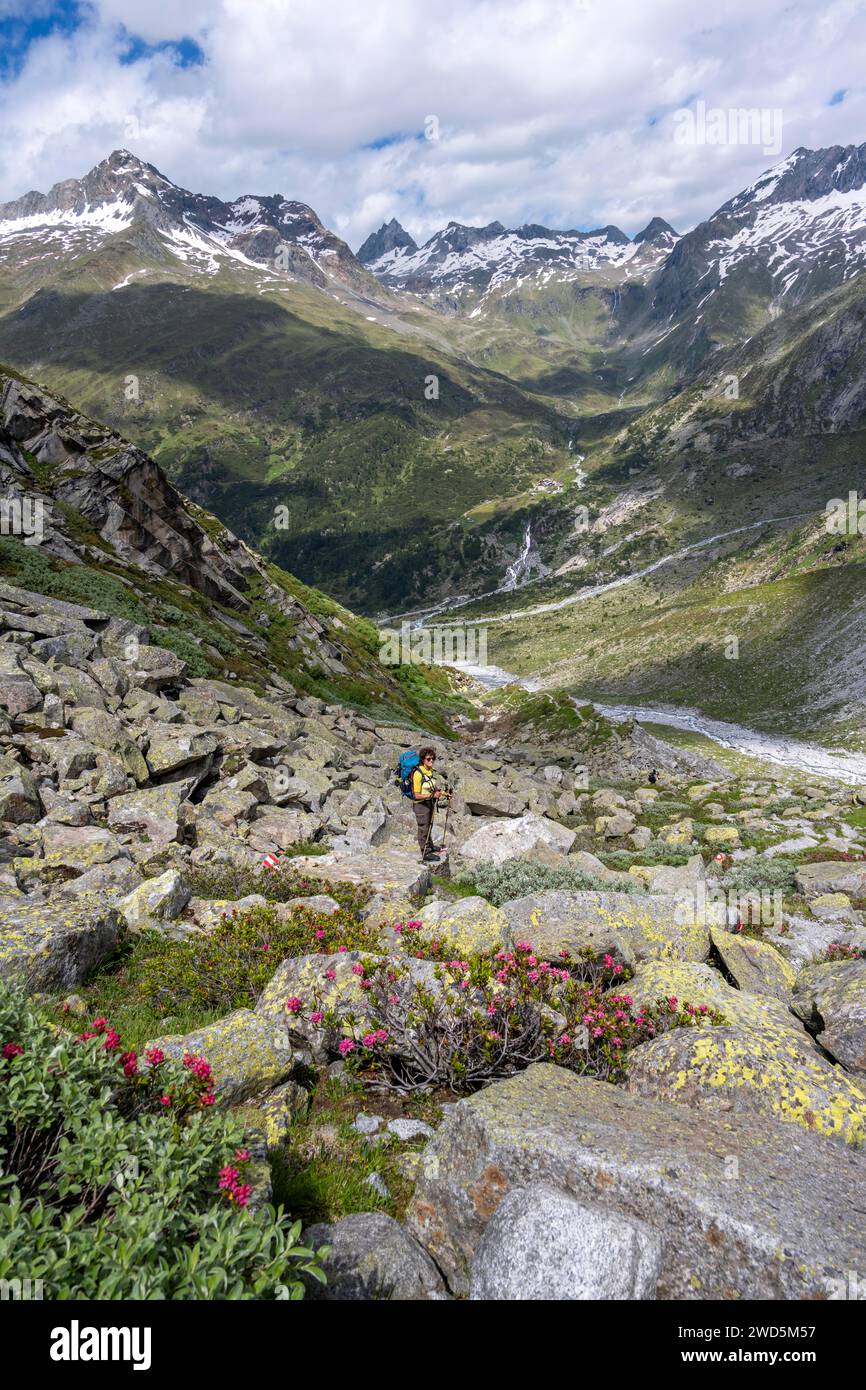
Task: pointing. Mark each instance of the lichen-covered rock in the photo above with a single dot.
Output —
(679, 833)
(787, 1228)
(158, 899)
(769, 1072)
(276, 1113)
(695, 982)
(71, 849)
(154, 811)
(722, 836)
(802, 938)
(207, 913)
(18, 693)
(248, 1053)
(155, 667)
(483, 798)
(757, 967)
(832, 907)
(632, 926)
(372, 1258)
(680, 878)
(542, 1244)
(19, 798)
(321, 903)
(835, 876)
(470, 924)
(281, 829)
(613, 827)
(103, 730)
(308, 979)
(230, 804)
(172, 746)
(391, 873)
(831, 1000)
(54, 945)
(554, 921)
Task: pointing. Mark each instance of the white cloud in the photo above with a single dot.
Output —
(550, 110)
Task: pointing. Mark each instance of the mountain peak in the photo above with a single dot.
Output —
(657, 231)
(805, 176)
(390, 237)
(123, 192)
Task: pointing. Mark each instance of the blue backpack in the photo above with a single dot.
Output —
(406, 766)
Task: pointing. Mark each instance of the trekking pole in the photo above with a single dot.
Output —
(445, 826)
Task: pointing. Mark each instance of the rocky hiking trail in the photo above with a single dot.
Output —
(418, 1030)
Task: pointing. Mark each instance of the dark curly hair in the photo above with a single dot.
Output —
(422, 753)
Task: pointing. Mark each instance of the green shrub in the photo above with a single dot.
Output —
(499, 883)
(233, 881)
(229, 967)
(188, 650)
(120, 1179)
(761, 874)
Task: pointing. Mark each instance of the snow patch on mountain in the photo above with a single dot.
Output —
(106, 217)
(791, 236)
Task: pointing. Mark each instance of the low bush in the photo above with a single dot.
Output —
(120, 1180)
(761, 875)
(233, 881)
(483, 1019)
(499, 883)
(228, 967)
(840, 950)
(841, 856)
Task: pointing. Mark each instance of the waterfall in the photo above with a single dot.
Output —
(516, 572)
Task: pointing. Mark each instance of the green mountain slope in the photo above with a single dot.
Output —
(92, 520)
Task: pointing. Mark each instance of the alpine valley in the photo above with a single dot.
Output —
(636, 437)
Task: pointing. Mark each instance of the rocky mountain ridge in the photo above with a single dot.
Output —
(460, 260)
(268, 232)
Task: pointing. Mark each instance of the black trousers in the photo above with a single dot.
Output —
(424, 818)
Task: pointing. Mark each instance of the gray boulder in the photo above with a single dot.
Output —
(484, 798)
(19, 799)
(500, 840)
(542, 1244)
(831, 1000)
(834, 876)
(786, 1228)
(155, 811)
(372, 1258)
(158, 899)
(105, 731)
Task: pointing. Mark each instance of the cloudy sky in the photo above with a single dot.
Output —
(563, 112)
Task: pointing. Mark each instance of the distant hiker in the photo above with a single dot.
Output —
(425, 795)
(653, 777)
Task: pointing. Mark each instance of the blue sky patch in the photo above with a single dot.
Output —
(185, 52)
(19, 32)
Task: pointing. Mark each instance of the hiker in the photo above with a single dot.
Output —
(425, 795)
(653, 777)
